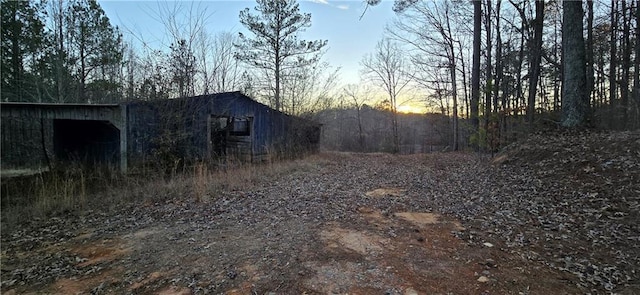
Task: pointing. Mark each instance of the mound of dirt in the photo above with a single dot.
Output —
(577, 153)
(572, 200)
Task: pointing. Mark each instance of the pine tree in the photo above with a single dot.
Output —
(22, 38)
(94, 48)
(275, 46)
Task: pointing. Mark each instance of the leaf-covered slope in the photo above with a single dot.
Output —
(571, 200)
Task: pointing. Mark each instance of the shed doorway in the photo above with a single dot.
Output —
(219, 132)
(230, 137)
(86, 141)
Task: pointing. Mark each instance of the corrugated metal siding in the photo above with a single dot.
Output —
(27, 129)
(187, 119)
(183, 123)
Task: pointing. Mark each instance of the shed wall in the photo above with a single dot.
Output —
(182, 127)
(165, 130)
(28, 130)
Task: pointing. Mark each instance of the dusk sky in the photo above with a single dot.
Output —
(336, 21)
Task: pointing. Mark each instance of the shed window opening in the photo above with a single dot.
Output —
(240, 127)
(219, 123)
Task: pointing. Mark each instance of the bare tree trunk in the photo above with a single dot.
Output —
(83, 66)
(602, 79)
(454, 85)
(625, 66)
(463, 71)
(589, 48)
(575, 102)
(613, 56)
(556, 82)
(61, 53)
(498, 81)
(636, 69)
(534, 66)
(455, 108)
(475, 72)
(130, 75)
(360, 132)
(394, 125)
(499, 67)
(276, 95)
(489, 70)
(519, 94)
(204, 44)
(277, 62)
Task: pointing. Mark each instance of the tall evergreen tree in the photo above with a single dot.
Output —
(94, 47)
(22, 40)
(275, 46)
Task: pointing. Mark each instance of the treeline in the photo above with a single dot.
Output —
(60, 51)
(368, 129)
(68, 51)
(507, 67)
(504, 67)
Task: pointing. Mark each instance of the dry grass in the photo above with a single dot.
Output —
(75, 190)
(209, 183)
(43, 194)
(60, 192)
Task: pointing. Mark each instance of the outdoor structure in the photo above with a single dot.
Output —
(213, 127)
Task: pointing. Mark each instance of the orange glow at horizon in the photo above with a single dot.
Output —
(412, 109)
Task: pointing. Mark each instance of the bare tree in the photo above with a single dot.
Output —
(636, 67)
(488, 65)
(217, 68)
(589, 47)
(499, 68)
(226, 71)
(358, 96)
(387, 67)
(202, 52)
(427, 28)
(185, 24)
(310, 88)
(183, 63)
(626, 64)
(613, 52)
(534, 60)
(475, 71)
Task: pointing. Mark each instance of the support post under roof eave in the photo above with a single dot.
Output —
(123, 138)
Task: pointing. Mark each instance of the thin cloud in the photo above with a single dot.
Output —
(326, 2)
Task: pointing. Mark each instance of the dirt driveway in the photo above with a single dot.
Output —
(328, 224)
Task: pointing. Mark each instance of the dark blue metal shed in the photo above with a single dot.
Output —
(216, 126)
(211, 127)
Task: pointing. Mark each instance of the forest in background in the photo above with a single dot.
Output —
(492, 69)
